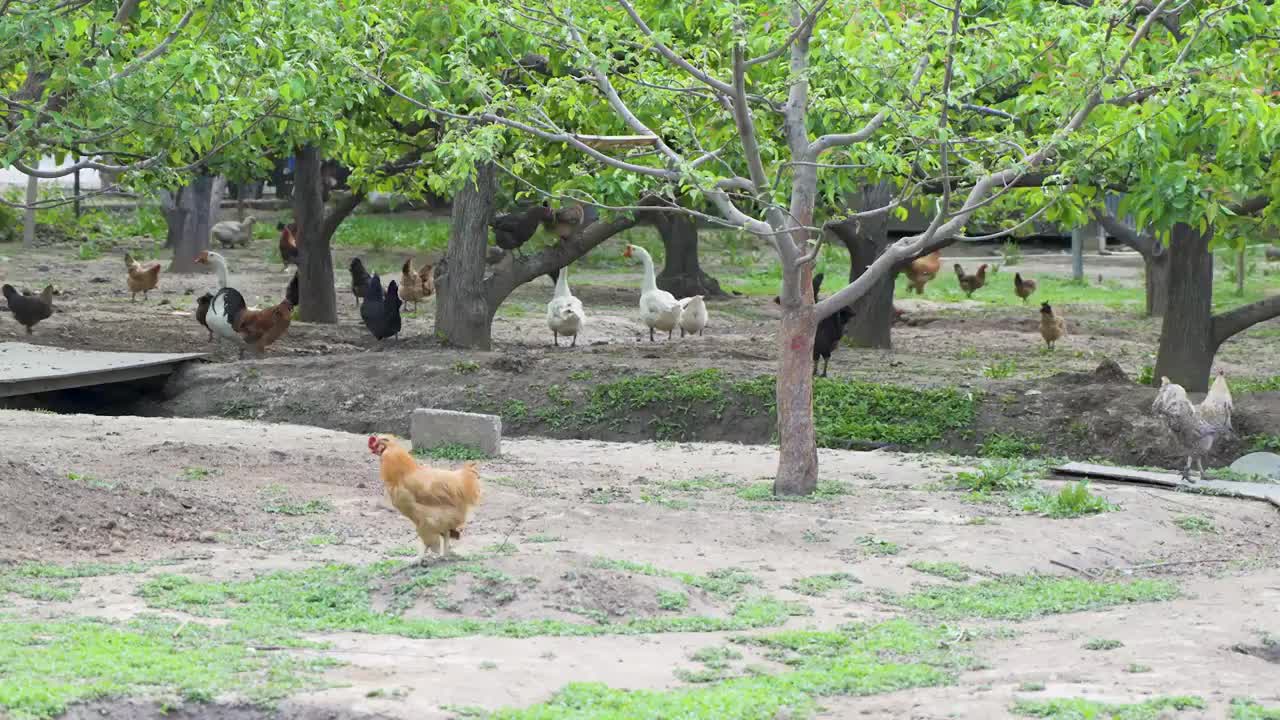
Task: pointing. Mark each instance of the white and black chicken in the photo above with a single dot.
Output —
(1195, 428)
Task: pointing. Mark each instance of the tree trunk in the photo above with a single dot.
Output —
(866, 240)
(319, 303)
(1187, 344)
(464, 317)
(198, 202)
(682, 275)
(1156, 269)
(29, 217)
(797, 444)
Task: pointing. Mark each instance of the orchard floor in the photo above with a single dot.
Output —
(588, 562)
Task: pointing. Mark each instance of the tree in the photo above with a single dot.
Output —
(759, 146)
(682, 274)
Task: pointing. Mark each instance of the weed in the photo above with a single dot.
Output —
(811, 536)
(488, 665)
(1073, 500)
(1102, 644)
(580, 375)
(543, 538)
(1031, 687)
(455, 452)
(948, 570)
(697, 484)
(466, 367)
(763, 492)
(403, 551)
(238, 410)
(1146, 375)
(1000, 476)
(1246, 709)
(286, 506)
(89, 250)
(1195, 524)
(1137, 669)
(193, 474)
(724, 583)
(504, 548)
(515, 411)
(855, 661)
(818, 585)
(1023, 597)
(1001, 369)
(1010, 445)
(92, 482)
(879, 547)
(1256, 385)
(1264, 443)
(1073, 708)
(669, 600)
(605, 495)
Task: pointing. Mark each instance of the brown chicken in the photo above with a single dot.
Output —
(437, 502)
(970, 283)
(565, 221)
(141, 280)
(1052, 327)
(288, 244)
(260, 328)
(416, 285)
(202, 312)
(29, 309)
(1023, 288)
(922, 270)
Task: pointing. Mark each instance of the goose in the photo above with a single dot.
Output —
(659, 309)
(565, 315)
(693, 315)
(227, 304)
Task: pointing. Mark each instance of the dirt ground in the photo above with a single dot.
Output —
(338, 377)
(122, 489)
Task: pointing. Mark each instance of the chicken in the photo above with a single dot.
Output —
(381, 313)
(230, 233)
(1023, 288)
(922, 270)
(29, 310)
(202, 312)
(830, 330)
(141, 280)
(288, 244)
(359, 280)
(565, 221)
(416, 285)
(513, 230)
(1195, 429)
(970, 283)
(437, 502)
(1052, 327)
(260, 328)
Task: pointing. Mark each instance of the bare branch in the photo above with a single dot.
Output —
(1233, 322)
(805, 27)
(671, 55)
(834, 140)
(154, 53)
(746, 124)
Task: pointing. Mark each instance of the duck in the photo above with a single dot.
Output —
(227, 304)
(659, 309)
(693, 315)
(565, 315)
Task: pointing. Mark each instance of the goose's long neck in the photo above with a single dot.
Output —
(219, 267)
(562, 283)
(650, 281)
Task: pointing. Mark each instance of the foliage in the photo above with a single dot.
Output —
(818, 585)
(1000, 476)
(1081, 709)
(1103, 644)
(948, 570)
(1009, 445)
(1073, 500)
(1244, 709)
(1195, 524)
(1025, 597)
(452, 451)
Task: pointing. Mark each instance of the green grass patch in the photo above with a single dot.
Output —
(1244, 386)
(896, 655)
(763, 492)
(543, 538)
(1137, 668)
(289, 506)
(1000, 476)
(455, 452)
(336, 598)
(949, 570)
(1073, 500)
(1195, 524)
(56, 583)
(819, 585)
(672, 600)
(879, 547)
(388, 231)
(1024, 597)
(1009, 445)
(725, 583)
(1081, 709)
(44, 667)
(1102, 644)
(1245, 709)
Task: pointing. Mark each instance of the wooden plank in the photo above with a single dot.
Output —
(26, 369)
(603, 141)
(1266, 492)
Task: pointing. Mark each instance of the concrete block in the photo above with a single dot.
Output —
(431, 428)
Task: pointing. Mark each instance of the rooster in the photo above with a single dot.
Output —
(971, 283)
(416, 285)
(260, 328)
(381, 313)
(1195, 429)
(1023, 288)
(359, 280)
(437, 502)
(288, 244)
(141, 280)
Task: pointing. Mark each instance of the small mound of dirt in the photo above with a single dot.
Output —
(43, 510)
(1267, 651)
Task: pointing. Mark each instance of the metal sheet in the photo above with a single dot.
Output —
(27, 369)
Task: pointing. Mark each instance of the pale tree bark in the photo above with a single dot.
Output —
(29, 217)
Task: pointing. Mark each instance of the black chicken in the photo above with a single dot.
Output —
(381, 314)
(29, 309)
(359, 280)
(513, 230)
(830, 330)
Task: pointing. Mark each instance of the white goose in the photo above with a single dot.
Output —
(693, 315)
(565, 315)
(659, 309)
(227, 304)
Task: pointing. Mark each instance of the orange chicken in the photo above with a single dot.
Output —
(260, 328)
(141, 280)
(437, 502)
(922, 270)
